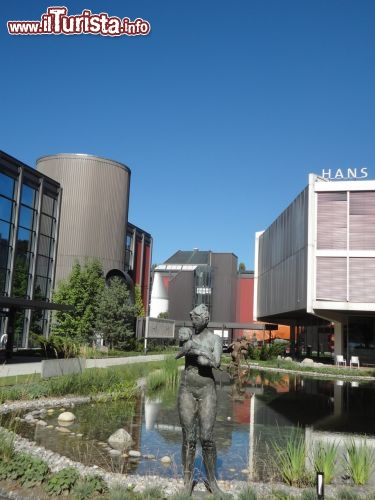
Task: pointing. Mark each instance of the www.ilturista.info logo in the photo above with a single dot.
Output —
(57, 22)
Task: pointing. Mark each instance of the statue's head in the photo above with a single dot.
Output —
(184, 334)
(200, 317)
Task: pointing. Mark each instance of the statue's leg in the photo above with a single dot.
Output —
(207, 414)
(187, 407)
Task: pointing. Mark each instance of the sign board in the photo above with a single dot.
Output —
(344, 174)
(155, 328)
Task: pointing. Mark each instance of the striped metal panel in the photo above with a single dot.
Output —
(362, 220)
(331, 220)
(362, 279)
(331, 279)
(282, 261)
(94, 212)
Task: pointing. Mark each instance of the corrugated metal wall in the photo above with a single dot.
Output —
(282, 261)
(94, 209)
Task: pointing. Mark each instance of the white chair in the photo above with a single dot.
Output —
(340, 360)
(354, 361)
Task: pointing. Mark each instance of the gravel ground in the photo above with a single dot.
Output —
(169, 486)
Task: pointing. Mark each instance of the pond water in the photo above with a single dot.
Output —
(252, 414)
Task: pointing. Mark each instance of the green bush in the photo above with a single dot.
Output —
(266, 351)
(26, 469)
(88, 486)
(62, 482)
(58, 346)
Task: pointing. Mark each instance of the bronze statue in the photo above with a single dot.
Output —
(238, 350)
(197, 396)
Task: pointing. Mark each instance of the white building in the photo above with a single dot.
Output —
(317, 260)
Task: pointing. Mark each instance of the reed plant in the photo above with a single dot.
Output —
(359, 461)
(324, 460)
(7, 445)
(247, 493)
(163, 378)
(290, 459)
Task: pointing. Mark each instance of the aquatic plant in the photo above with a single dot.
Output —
(290, 459)
(167, 377)
(247, 493)
(360, 461)
(324, 460)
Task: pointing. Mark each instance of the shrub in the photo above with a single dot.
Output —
(61, 483)
(58, 346)
(247, 494)
(87, 486)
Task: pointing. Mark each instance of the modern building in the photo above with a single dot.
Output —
(315, 267)
(29, 218)
(138, 260)
(190, 278)
(94, 219)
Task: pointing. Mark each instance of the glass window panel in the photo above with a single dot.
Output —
(4, 231)
(21, 275)
(43, 266)
(5, 209)
(3, 280)
(26, 217)
(36, 324)
(46, 225)
(18, 329)
(28, 196)
(41, 288)
(48, 205)
(45, 246)
(4, 252)
(7, 185)
(25, 239)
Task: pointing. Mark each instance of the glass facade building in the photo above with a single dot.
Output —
(29, 215)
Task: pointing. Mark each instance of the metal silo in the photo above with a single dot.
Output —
(94, 210)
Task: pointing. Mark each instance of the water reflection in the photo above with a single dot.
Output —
(253, 411)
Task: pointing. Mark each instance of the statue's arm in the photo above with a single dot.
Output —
(213, 356)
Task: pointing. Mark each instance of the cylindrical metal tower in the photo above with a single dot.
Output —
(94, 210)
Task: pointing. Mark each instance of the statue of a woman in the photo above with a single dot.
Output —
(197, 397)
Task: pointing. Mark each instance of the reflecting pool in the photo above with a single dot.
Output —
(253, 413)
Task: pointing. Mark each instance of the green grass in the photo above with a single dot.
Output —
(324, 460)
(321, 369)
(116, 381)
(290, 458)
(359, 461)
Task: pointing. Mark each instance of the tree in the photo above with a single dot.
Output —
(241, 267)
(82, 290)
(115, 315)
(139, 307)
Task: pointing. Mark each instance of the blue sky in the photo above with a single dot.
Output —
(221, 112)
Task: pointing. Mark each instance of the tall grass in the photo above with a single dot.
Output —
(117, 381)
(290, 458)
(359, 461)
(163, 378)
(324, 460)
(7, 449)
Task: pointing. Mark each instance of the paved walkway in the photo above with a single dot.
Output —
(29, 368)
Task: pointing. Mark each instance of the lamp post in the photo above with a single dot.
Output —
(320, 485)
